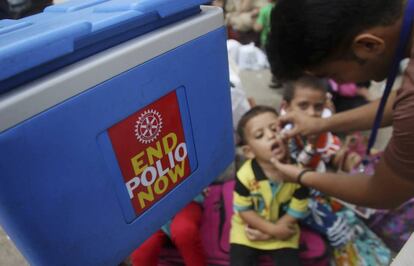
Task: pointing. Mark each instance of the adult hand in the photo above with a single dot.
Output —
(303, 125)
(255, 234)
(288, 172)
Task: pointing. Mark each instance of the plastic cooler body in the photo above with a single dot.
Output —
(99, 154)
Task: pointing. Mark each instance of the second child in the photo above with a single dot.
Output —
(308, 96)
(266, 209)
(352, 242)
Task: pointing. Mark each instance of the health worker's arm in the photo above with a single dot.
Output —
(360, 118)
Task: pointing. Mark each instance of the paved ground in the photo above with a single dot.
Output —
(9, 255)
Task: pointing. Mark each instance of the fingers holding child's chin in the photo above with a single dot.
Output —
(280, 156)
(288, 172)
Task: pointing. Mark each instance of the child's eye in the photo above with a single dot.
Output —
(319, 107)
(273, 127)
(258, 135)
(303, 106)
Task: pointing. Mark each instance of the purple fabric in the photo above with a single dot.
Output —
(394, 226)
(344, 90)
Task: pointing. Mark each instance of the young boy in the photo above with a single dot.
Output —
(266, 209)
(308, 96)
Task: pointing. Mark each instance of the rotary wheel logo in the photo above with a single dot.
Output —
(148, 126)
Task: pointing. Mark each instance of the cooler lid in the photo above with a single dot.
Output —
(70, 31)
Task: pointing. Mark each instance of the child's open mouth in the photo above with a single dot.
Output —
(276, 149)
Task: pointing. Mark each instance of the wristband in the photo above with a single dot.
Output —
(300, 176)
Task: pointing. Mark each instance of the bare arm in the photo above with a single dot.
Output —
(272, 229)
(255, 221)
(382, 190)
(360, 118)
(287, 219)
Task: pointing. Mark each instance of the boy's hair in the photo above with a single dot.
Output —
(255, 111)
(311, 82)
(305, 33)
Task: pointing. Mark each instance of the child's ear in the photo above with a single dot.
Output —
(247, 151)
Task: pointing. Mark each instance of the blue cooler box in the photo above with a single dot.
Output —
(113, 116)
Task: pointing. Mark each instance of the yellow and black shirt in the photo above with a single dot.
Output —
(271, 200)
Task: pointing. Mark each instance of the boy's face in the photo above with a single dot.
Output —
(307, 101)
(263, 140)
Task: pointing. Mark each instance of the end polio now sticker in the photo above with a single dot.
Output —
(151, 151)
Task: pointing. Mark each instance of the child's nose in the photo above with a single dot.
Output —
(311, 111)
(270, 134)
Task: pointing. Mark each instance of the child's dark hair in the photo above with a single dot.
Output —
(311, 82)
(306, 33)
(255, 111)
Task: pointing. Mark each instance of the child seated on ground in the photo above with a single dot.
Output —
(266, 209)
(352, 243)
(308, 96)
